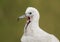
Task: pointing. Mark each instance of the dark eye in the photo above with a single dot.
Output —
(30, 13)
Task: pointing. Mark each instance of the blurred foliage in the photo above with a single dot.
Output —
(11, 30)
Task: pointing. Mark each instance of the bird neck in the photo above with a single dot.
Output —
(30, 27)
(34, 22)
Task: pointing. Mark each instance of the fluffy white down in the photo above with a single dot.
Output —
(34, 33)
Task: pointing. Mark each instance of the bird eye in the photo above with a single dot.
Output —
(30, 13)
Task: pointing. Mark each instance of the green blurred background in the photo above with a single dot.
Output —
(11, 30)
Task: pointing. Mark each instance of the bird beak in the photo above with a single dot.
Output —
(20, 17)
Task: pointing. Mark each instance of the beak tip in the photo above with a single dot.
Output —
(17, 19)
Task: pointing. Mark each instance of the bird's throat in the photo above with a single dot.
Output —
(27, 24)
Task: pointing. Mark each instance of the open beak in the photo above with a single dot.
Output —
(23, 16)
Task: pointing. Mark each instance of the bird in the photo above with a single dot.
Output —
(32, 30)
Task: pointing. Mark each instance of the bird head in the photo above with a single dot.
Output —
(31, 14)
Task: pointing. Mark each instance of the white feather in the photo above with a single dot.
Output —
(34, 33)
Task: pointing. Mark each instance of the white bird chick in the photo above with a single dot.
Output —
(32, 31)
